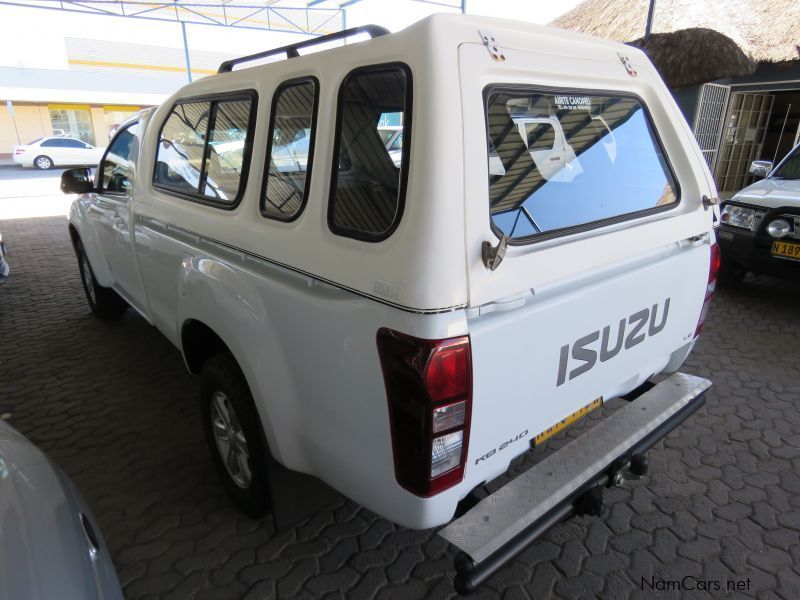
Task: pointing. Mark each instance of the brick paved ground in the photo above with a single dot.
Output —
(112, 404)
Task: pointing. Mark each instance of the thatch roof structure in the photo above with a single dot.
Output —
(696, 55)
(765, 30)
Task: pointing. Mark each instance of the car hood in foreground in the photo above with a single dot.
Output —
(771, 193)
(44, 551)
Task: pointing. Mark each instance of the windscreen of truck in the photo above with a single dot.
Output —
(561, 162)
(790, 167)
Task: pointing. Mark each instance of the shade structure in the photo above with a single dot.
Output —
(695, 55)
(765, 31)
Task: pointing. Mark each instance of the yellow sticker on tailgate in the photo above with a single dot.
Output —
(566, 422)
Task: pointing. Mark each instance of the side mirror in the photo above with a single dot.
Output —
(760, 168)
(77, 181)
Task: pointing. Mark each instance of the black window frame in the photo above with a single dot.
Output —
(214, 99)
(406, 152)
(591, 225)
(312, 142)
(99, 183)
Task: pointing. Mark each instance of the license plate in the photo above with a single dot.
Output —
(786, 250)
(566, 422)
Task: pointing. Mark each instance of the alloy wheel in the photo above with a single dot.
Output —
(231, 442)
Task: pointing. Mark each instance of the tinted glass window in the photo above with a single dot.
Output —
(564, 160)
(50, 144)
(290, 152)
(368, 184)
(67, 143)
(119, 161)
(226, 150)
(179, 158)
(397, 143)
(209, 165)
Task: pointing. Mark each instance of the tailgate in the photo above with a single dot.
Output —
(607, 265)
(554, 353)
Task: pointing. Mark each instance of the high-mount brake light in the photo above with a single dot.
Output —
(429, 390)
(713, 269)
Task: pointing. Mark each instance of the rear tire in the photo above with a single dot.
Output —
(233, 431)
(104, 302)
(43, 162)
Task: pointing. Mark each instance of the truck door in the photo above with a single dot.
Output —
(111, 213)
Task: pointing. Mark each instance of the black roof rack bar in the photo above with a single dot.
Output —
(291, 50)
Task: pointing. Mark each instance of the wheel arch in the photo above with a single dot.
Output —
(81, 232)
(74, 236)
(199, 342)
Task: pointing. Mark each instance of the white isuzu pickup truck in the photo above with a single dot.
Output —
(402, 327)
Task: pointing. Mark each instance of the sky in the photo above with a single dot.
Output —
(34, 38)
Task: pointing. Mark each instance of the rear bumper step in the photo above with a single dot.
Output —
(505, 523)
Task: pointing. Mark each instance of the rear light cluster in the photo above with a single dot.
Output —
(429, 389)
(19, 151)
(712, 284)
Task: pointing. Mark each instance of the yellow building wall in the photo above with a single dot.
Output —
(33, 121)
(99, 126)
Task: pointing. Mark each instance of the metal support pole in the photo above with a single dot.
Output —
(10, 108)
(780, 137)
(344, 22)
(649, 27)
(186, 52)
(463, 7)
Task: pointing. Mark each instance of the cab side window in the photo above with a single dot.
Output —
(179, 158)
(204, 149)
(119, 160)
(226, 150)
(368, 179)
(291, 149)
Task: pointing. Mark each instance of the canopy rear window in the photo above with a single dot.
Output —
(560, 162)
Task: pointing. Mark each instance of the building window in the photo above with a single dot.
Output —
(73, 122)
(368, 180)
(291, 150)
(116, 115)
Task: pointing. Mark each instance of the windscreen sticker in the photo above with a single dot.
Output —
(573, 102)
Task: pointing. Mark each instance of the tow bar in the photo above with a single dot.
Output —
(570, 481)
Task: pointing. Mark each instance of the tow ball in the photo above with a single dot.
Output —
(634, 469)
(592, 502)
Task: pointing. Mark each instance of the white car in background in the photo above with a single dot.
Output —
(49, 152)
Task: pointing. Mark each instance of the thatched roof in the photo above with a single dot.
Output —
(766, 30)
(696, 55)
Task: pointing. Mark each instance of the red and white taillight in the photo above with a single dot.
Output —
(712, 284)
(429, 389)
